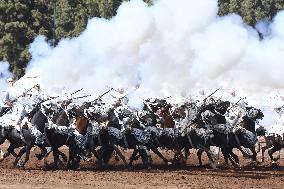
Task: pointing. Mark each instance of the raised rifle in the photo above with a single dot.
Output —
(211, 94)
(77, 91)
(103, 94)
(24, 93)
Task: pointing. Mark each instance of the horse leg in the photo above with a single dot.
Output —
(199, 154)
(118, 152)
(245, 154)
(18, 157)
(28, 148)
(209, 154)
(56, 157)
(133, 157)
(48, 151)
(262, 152)
(10, 150)
(180, 156)
(254, 154)
(42, 154)
(144, 156)
(225, 155)
(1, 155)
(64, 157)
(156, 151)
(186, 153)
(71, 159)
(233, 161)
(107, 153)
(236, 158)
(258, 146)
(211, 160)
(271, 152)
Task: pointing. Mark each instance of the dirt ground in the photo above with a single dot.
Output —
(161, 176)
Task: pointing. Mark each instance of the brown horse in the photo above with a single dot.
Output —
(81, 124)
(166, 140)
(166, 118)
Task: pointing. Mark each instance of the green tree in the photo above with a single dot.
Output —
(20, 22)
(251, 11)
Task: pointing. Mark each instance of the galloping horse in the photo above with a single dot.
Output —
(273, 141)
(244, 135)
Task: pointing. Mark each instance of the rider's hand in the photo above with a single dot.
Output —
(8, 103)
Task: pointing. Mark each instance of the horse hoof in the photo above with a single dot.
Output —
(20, 165)
(238, 165)
(213, 167)
(64, 158)
(88, 159)
(130, 168)
(116, 158)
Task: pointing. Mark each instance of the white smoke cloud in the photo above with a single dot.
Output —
(173, 48)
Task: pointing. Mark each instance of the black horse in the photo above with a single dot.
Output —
(273, 141)
(27, 139)
(59, 133)
(129, 136)
(244, 136)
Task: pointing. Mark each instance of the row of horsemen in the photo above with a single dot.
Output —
(102, 129)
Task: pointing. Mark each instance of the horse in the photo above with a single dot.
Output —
(273, 142)
(130, 134)
(194, 135)
(33, 135)
(59, 133)
(13, 136)
(25, 138)
(98, 117)
(243, 136)
(168, 134)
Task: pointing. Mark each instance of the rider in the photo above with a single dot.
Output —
(121, 97)
(29, 101)
(11, 101)
(10, 96)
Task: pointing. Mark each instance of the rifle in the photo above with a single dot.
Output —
(24, 93)
(103, 94)
(167, 97)
(79, 97)
(211, 94)
(76, 91)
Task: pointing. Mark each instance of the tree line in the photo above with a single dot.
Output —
(22, 20)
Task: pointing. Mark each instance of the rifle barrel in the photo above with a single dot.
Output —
(76, 91)
(212, 94)
(104, 94)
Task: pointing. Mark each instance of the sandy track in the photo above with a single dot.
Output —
(161, 176)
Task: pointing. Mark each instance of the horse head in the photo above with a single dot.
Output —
(251, 117)
(261, 131)
(81, 124)
(50, 109)
(222, 107)
(179, 111)
(254, 113)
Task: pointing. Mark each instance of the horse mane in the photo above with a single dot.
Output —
(249, 124)
(113, 120)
